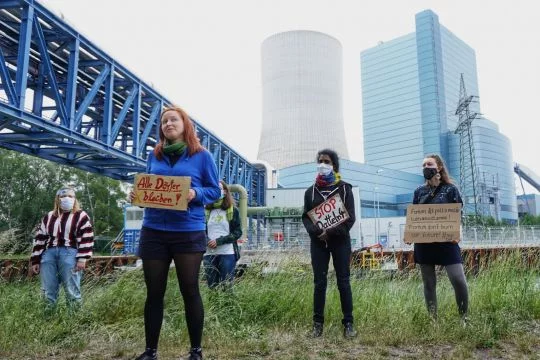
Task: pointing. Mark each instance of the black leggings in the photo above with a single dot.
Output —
(457, 278)
(155, 276)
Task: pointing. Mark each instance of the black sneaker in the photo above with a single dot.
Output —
(348, 331)
(146, 356)
(195, 354)
(317, 329)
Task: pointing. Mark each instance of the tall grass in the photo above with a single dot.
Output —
(269, 316)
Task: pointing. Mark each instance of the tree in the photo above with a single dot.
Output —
(102, 198)
(30, 185)
(529, 219)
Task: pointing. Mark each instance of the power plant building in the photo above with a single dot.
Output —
(411, 90)
(410, 93)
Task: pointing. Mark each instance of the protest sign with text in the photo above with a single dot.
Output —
(330, 213)
(158, 191)
(428, 223)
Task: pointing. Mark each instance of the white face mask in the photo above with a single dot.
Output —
(324, 169)
(222, 194)
(66, 203)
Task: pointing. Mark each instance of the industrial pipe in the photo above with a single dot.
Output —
(258, 210)
(242, 207)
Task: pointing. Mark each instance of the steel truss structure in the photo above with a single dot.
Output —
(65, 100)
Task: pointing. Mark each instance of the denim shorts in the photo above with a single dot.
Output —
(163, 245)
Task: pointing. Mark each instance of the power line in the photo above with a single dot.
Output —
(468, 174)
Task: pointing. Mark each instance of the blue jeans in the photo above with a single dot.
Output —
(58, 266)
(219, 269)
(320, 258)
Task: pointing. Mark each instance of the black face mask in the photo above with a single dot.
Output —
(429, 173)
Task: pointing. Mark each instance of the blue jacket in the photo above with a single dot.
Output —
(204, 180)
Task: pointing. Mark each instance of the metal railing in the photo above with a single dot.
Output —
(280, 237)
(501, 236)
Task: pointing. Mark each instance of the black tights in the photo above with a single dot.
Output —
(155, 276)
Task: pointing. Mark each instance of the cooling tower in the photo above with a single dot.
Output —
(302, 98)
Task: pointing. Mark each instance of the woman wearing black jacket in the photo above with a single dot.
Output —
(332, 241)
(439, 189)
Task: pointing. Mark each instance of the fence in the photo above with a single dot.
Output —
(278, 236)
(294, 236)
(290, 237)
(501, 236)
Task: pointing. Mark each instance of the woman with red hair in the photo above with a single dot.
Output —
(173, 235)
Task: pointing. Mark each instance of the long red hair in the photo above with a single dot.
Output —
(190, 137)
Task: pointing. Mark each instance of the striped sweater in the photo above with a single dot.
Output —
(68, 229)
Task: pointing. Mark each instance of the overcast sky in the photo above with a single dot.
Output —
(206, 55)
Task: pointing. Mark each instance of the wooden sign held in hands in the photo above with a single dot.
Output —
(164, 192)
(428, 223)
(329, 214)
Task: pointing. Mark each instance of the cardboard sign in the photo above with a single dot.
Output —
(330, 213)
(428, 223)
(165, 192)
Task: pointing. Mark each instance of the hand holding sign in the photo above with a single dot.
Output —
(323, 236)
(191, 195)
(131, 196)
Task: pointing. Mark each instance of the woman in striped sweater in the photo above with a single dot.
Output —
(63, 244)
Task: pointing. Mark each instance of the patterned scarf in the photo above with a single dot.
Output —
(174, 149)
(331, 179)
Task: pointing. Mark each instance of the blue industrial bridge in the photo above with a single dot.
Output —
(63, 99)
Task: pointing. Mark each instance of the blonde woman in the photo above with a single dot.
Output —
(62, 245)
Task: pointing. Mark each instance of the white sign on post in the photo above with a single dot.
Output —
(329, 214)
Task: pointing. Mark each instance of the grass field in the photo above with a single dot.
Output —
(269, 317)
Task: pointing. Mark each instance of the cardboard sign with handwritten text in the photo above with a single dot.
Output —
(164, 192)
(330, 213)
(427, 223)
